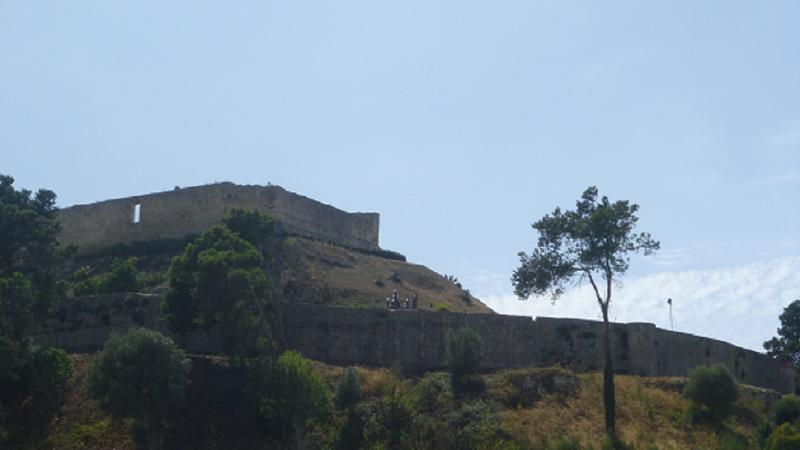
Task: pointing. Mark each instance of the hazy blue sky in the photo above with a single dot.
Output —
(460, 122)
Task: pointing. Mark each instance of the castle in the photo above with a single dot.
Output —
(183, 211)
(410, 340)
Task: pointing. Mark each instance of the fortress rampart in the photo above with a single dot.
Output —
(414, 340)
(175, 214)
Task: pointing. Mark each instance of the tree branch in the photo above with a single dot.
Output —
(594, 286)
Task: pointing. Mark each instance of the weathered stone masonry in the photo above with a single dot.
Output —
(175, 214)
(414, 340)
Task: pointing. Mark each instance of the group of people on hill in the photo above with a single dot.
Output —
(394, 301)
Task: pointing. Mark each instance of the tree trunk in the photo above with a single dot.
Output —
(609, 399)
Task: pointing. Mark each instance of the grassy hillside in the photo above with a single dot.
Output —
(309, 271)
(538, 408)
(315, 272)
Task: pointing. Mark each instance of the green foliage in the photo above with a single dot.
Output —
(464, 353)
(476, 427)
(139, 375)
(12, 363)
(351, 432)
(785, 437)
(28, 247)
(763, 431)
(250, 225)
(123, 276)
(348, 389)
(52, 368)
(218, 283)
(16, 306)
(712, 392)
(297, 398)
(151, 247)
(786, 346)
(390, 426)
(786, 410)
(732, 442)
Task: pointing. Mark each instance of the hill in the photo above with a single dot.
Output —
(541, 409)
(305, 270)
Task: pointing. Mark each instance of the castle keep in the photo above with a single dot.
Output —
(175, 214)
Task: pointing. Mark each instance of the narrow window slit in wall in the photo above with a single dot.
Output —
(137, 213)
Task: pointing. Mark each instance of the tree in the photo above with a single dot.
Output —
(348, 389)
(252, 226)
(219, 284)
(298, 397)
(464, 352)
(592, 243)
(712, 391)
(28, 252)
(786, 346)
(140, 375)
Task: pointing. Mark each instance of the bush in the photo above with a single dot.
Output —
(785, 437)
(252, 226)
(52, 369)
(787, 409)
(464, 354)
(348, 389)
(219, 284)
(123, 276)
(297, 398)
(391, 425)
(140, 375)
(712, 392)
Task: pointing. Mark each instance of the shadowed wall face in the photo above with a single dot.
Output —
(174, 214)
(414, 340)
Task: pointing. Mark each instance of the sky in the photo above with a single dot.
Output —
(460, 122)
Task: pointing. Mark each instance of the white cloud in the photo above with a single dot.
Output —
(739, 304)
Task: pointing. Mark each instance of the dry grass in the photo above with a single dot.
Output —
(80, 424)
(647, 416)
(351, 277)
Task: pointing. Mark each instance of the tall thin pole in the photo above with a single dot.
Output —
(671, 324)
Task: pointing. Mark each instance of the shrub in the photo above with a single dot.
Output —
(219, 283)
(390, 426)
(712, 392)
(123, 276)
(252, 226)
(787, 409)
(785, 437)
(476, 426)
(348, 389)
(140, 375)
(297, 398)
(52, 369)
(763, 431)
(464, 353)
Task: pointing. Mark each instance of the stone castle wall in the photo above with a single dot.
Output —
(174, 214)
(414, 340)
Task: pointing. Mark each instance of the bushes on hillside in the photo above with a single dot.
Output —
(219, 284)
(786, 410)
(712, 391)
(297, 397)
(348, 389)
(123, 276)
(464, 353)
(785, 437)
(140, 375)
